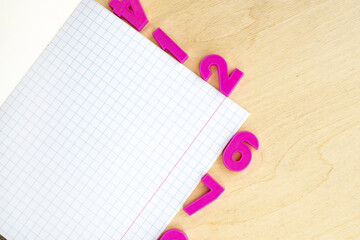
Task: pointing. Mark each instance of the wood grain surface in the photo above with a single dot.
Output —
(301, 61)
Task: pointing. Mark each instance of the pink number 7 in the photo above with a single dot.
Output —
(215, 191)
(227, 83)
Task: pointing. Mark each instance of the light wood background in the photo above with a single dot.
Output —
(301, 61)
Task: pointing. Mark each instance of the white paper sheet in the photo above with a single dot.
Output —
(106, 135)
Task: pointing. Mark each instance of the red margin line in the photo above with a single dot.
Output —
(172, 169)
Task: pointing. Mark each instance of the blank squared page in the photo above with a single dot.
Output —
(106, 136)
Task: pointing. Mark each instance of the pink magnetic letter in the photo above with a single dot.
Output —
(131, 10)
(227, 83)
(237, 144)
(174, 234)
(215, 191)
(166, 43)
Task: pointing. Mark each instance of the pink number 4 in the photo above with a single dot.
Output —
(215, 191)
(131, 10)
(227, 83)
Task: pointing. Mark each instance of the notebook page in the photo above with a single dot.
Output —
(106, 135)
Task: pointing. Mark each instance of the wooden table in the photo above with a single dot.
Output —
(301, 61)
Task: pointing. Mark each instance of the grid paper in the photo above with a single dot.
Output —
(106, 136)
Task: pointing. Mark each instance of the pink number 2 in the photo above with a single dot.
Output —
(227, 83)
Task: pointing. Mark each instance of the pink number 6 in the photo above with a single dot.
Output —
(227, 83)
(237, 144)
(174, 234)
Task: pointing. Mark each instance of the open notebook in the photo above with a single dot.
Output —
(106, 135)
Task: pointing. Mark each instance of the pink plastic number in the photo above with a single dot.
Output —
(215, 191)
(166, 43)
(131, 10)
(174, 234)
(227, 83)
(237, 144)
